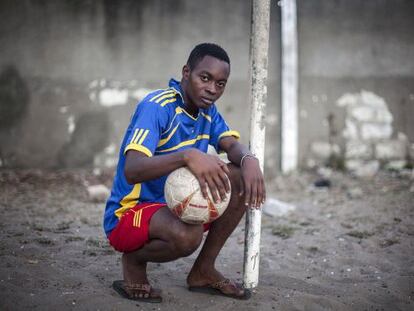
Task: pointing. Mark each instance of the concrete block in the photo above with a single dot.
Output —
(363, 168)
(323, 150)
(376, 131)
(363, 113)
(373, 100)
(113, 97)
(351, 130)
(391, 150)
(276, 208)
(383, 116)
(355, 149)
(396, 165)
(98, 193)
(347, 100)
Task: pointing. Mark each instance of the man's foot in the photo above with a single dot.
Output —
(134, 272)
(226, 288)
(214, 283)
(138, 292)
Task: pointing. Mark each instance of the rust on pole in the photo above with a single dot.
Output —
(259, 45)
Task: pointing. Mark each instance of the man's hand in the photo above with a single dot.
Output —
(209, 170)
(253, 186)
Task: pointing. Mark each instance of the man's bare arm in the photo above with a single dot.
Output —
(139, 167)
(253, 180)
(209, 170)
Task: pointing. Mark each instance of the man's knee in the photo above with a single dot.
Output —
(235, 177)
(187, 238)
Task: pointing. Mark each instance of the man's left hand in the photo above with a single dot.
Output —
(253, 185)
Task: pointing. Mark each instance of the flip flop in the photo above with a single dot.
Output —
(145, 291)
(215, 289)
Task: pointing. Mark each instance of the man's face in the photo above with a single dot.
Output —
(206, 82)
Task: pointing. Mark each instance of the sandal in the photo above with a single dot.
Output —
(137, 292)
(217, 289)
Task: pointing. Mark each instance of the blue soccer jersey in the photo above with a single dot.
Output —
(160, 125)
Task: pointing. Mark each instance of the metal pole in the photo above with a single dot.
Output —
(289, 158)
(259, 44)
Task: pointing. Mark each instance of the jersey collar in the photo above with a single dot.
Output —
(177, 87)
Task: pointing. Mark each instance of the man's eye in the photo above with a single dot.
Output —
(204, 78)
(221, 84)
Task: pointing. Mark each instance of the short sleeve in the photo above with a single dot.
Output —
(146, 127)
(219, 129)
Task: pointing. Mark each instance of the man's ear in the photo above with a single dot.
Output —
(186, 72)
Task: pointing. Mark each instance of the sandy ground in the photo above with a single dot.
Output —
(347, 247)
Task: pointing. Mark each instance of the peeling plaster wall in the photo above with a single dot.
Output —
(347, 46)
(61, 49)
(91, 60)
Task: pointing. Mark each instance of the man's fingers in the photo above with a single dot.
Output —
(226, 182)
(247, 194)
(221, 186)
(213, 189)
(203, 187)
(264, 191)
(225, 167)
(241, 187)
(253, 196)
(260, 194)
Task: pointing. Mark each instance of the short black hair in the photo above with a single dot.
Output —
(204, 49)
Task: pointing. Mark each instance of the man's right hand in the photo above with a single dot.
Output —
(209, 170)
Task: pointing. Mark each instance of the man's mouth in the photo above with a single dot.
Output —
(207, 101)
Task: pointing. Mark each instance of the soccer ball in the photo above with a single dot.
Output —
(185, 199)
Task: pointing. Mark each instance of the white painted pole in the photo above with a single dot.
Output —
(259, 44)
(289, 157)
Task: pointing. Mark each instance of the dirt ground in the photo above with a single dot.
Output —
(346, 247)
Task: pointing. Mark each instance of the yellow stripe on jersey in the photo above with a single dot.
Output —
(163, 141)
(206, 116)
(186, 143)
(168, 101)
(134, 141)
(230, 133)
(129, 201)
(167, 91)
(143, 137)
(178, 110)
(169, 95)
(135, 135)
(140, 148)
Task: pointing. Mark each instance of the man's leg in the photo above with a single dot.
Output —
(203, 271)
(170, 239)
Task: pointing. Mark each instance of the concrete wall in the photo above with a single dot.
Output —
(72, 71)
(65, 52)
(347, 46)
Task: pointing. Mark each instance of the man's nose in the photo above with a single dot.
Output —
(211, 88)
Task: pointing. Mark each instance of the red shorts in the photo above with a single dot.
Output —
(132, 231)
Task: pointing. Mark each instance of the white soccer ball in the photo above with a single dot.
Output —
(185, 199)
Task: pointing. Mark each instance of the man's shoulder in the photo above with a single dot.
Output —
(160, 104)
(161, 97)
